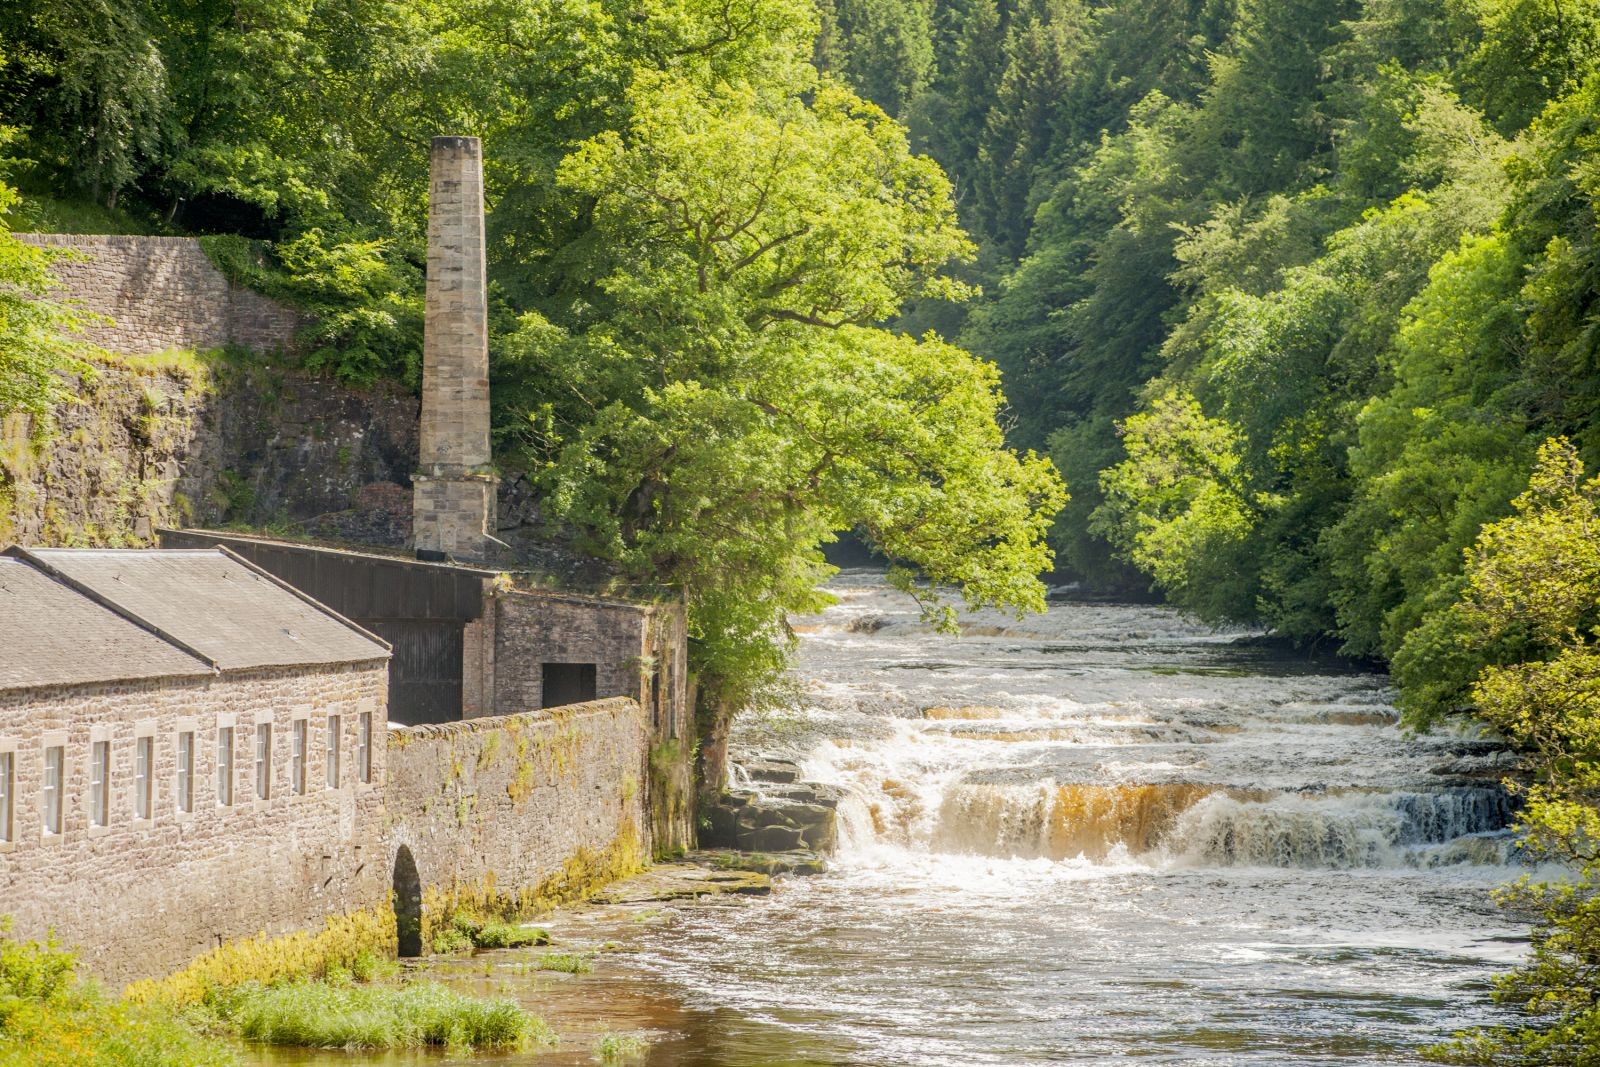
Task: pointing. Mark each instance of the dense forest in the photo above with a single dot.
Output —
(1290, 291)
(1302, 298)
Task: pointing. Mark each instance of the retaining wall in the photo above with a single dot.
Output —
(517, 809)
(162, 293)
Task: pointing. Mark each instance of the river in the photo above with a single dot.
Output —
(1101, 833)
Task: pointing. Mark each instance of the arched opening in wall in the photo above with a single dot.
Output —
(407, 903)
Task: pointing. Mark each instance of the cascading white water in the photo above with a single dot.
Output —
(1105, 833)
(1225, 767)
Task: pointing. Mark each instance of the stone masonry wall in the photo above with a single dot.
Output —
(566, 629)
(507, 802)
(639, 651)
(163, 293)
(140, 899)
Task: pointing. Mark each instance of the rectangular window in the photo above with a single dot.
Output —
(225, 765)
(8, 790)
(144, 765)
(364, 747)
(185, 784)
(297, 758)
(264, 760)
(55, 764)
(333, 751)
(100, 783)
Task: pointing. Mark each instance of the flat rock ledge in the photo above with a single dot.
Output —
(796, 862)
(683, 881)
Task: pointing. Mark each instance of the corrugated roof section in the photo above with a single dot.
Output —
(216, 605)
(51, 634)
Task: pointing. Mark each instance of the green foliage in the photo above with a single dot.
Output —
(1529, 612)
(464, 932)
(346, 943)
(612, 1047)
(364, 302)
(566, 962)
(31, 971)
(350, 1016)
(35, 332)
(695, 240)
(1180, 507)
(48, 1018)
(717, 400)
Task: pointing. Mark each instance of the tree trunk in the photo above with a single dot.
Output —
(712, 718)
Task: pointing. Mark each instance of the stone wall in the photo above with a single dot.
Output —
(141, 898)
(566, 629)
(162, 293)
(517, 807)
(639, 652)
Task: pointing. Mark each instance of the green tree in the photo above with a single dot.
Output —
(734, 407)
(36, 344)
(1530, 604)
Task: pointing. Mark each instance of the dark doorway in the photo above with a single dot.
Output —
(407, 903)
(567, 683)
(425, 669)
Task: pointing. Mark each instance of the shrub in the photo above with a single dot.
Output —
(344, 940)
(612, 1047)
(488, 933)
(364, 299)
(50, 1019)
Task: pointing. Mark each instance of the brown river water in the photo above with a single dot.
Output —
(1097, 835)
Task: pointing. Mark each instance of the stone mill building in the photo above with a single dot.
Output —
(237, 733)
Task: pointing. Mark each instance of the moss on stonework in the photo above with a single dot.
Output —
(671, 794)
(133, 413)
(585, 873)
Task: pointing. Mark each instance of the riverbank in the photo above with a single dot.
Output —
(579, 981)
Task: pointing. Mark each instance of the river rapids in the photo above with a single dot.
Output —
(1107, 833)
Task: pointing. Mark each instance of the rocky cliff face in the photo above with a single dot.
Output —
(179, 441)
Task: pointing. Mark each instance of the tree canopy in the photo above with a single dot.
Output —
(699, 244)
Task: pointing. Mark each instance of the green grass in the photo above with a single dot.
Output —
(505, 935)
(47, 214)
(567, 962)
(327, 1015)
(465, 932)
(48, 1018)
(612, 1047)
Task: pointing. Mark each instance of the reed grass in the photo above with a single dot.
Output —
(351, 1016)
(568, 962)
(617, 1048)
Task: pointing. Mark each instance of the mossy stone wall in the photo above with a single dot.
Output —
(511, 814)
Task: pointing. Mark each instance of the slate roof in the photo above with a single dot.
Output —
(210, 604)
(50, 634)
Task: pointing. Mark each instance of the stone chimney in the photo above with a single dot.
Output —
(453, 502)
